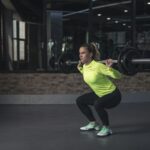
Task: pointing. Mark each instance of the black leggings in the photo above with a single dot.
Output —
(100, 104)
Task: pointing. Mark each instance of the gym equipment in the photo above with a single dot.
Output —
(128, 62)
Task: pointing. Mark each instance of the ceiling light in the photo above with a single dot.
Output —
(125, 11)
(99, 15)
(116, 21)
(148, 3)
(124, 24)
(108, 18)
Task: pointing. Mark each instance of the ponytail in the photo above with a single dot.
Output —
(96, 53)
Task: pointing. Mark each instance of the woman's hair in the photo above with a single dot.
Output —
(92, 48)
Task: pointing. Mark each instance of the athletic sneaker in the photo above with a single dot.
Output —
(90, 126)
(105, 131)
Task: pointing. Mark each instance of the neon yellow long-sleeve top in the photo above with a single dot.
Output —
(96, 75)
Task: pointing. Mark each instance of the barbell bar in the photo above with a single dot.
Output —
(134, 61)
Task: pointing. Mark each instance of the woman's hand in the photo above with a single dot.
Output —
(108, 62)
(80, 64)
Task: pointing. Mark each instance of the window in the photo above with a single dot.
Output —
(19, 40)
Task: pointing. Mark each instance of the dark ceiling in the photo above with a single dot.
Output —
(109, 8)
(113, 9)
(33, 9)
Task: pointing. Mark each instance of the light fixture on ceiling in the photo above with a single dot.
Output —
(99, 15)
(116, 21)
(148, 3)
(125, 11)
(108, 18)
(124, 24)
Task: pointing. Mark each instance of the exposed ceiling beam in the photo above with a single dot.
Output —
(98, 7)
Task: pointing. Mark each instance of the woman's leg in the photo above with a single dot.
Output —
(108, 101)
(102, 112)
(83, 103)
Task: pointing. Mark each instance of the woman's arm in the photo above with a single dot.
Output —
(80, 67)
(109, 71)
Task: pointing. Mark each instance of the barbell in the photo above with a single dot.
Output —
(128, 62)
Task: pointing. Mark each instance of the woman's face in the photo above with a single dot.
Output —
(84, 55)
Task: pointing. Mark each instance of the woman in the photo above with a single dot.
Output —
(104, 93)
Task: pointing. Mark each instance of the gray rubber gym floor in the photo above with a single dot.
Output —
(56, 127)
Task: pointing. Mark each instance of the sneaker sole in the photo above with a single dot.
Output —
(87, 130)
(105, 135)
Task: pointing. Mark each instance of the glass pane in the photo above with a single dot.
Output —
(22, 30)
(15, 50)
(14, 28)
(22, 50)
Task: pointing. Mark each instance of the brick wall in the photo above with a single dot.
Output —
(49, 83)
